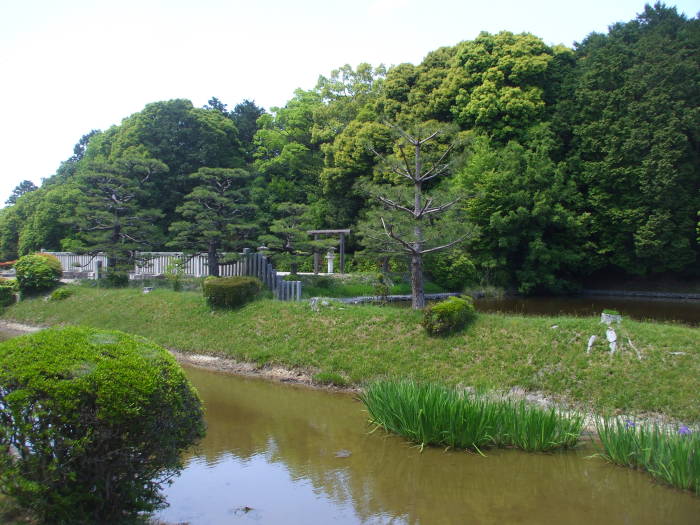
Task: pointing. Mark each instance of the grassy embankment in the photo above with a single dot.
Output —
(356, 344)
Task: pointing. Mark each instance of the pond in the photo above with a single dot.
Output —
(639, 308)
(278, 453)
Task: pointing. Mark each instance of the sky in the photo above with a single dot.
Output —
(70, 66)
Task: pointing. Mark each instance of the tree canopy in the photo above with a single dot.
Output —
(578, 161)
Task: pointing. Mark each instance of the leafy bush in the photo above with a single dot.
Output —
(61, 293)
(453, 270)
(175, 274)
(230, 292)
(117, 277)
(92, 423)
(38, 271)
(448, 316)
(382, 287)
(8, 288)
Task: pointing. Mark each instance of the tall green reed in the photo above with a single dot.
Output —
(429, 414)
(669, 455)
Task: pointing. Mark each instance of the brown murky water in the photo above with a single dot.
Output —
(283, 454)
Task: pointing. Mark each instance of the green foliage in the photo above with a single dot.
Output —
(23, 187)
(453, 270)
(175, 274)
(182, 137)
(670, 455)
(382, 286)
(499, 83)
(368, 342)
(630, 124)
(37, 272)
(115, 277)
(231, 292)
(7, 291)
(429, 414)
(96, 421)
(287, 239)
(330, 378)
(217, 214)
(448, 316)
(62, 293)
(112, 217)
(526, 209)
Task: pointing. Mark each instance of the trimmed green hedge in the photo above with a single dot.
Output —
(7, 291)
(38, 271)
(96, 422)
(230, 292)
(448, 316)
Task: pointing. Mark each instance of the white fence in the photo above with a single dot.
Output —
(72, 262)
(156, 263)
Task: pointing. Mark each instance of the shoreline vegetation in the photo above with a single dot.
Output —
(513, 381)
(342, 347)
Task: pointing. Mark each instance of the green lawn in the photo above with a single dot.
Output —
(360, 343)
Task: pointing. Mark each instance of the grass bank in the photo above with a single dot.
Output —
(356, 344)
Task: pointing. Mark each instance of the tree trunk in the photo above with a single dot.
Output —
(417, 292)
(213, 260)
(385, 265)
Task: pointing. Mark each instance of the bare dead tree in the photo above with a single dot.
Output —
(422, 210)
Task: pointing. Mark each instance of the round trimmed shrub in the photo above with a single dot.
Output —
(62, 293)
(448, 316)
(230, 292)
(92, 423)
(38, 271)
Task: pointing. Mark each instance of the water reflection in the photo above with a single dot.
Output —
(274, 449)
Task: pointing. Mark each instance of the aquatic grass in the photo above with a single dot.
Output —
(430, 414)
(533, 428)
(669, 455)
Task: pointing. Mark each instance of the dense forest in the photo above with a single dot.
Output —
(564, 163)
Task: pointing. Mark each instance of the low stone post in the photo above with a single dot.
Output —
(330, 257)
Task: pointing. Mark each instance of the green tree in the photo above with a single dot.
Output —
(245, 115)
(286, 158)
(217, 214)
(526, 209)
(633, 111)
(412, 220)
(111, 217)
(177, 134)
(23, 187)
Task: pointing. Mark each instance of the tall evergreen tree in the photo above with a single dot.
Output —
(217, 214)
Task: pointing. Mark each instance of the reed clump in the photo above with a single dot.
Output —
(430, 414)
(671, 455)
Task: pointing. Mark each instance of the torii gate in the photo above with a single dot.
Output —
(317, 256)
